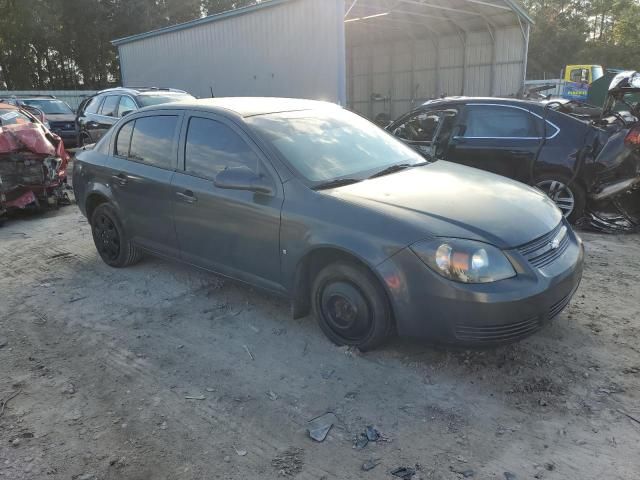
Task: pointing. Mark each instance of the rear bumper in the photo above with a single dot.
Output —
(428, 306)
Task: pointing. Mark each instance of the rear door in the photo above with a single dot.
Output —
(142, 167)
(502, 139)
(236, 233)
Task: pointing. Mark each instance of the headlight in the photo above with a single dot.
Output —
(465, 261)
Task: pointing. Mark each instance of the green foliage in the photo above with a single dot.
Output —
(66, 44)
(600, 32)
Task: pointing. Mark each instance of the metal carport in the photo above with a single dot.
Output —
(375, 56)
(402, 52)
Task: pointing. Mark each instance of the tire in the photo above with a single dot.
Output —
(113, 246)
(351, 306)
(571, 199)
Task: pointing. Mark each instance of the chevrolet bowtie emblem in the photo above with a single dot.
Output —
(555, 243)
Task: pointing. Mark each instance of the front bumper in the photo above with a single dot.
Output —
(429, 306)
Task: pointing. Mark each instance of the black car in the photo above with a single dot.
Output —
(98, 113)
(573, 159)
(58, 115)
(318, 204)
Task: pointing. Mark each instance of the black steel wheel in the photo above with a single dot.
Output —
(114, 247)
(351, 307)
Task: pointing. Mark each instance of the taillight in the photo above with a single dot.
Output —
(633, 137)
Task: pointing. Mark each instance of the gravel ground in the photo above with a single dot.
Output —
(161, 371)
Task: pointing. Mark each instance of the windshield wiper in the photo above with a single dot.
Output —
(339, 182)
(396, 168)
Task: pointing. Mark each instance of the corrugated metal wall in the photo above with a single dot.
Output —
(394, 77)
(294, 49)
(72, 97)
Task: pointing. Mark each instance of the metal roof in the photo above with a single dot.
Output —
(428, 18)
(413, 17)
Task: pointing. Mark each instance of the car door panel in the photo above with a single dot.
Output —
(232, 232)
(144, 188)
(494, 141)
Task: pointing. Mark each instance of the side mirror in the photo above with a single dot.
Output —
(243, 178)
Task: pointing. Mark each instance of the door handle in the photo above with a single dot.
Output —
(187, 196)
(121, 179)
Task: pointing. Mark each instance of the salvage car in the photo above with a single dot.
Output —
(60, 116)
(98, 113)
(318, 204)
(33, 162)
(572, 158)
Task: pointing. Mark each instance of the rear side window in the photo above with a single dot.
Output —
(213, 146)
(92, 106)
(123, 140)
(153, 140)
(110, 106)
(488, 121)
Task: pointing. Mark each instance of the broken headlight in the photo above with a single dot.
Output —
(464, 261)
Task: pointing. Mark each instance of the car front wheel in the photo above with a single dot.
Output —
(351, 307)
(569, 197)
(112, 244)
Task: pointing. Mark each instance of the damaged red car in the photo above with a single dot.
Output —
(33, 163)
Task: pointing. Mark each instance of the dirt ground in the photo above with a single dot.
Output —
(163, 372)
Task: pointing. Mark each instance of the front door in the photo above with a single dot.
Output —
(501, 139)
(142, 167)
(233, 232)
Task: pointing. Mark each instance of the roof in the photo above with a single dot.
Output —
(414, 17)
(8, 106)
(251, 106)
(200, 21)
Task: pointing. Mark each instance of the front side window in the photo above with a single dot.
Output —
(494, 121)
(127, 105)
(331, 143)
(213, 146)
(420, 127)
(152, 141)
(110, 106)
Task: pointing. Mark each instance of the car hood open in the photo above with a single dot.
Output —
(450, 200)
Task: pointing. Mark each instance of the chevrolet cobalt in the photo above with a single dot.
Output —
(318, 204)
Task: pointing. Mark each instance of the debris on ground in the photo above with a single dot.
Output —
(405, 473)
(290, 462)
(370, 434)
(240, 453)
(195, 397)
(370, 465)
(319, 427)
(509, 476)
(68, 388)
(467, 473)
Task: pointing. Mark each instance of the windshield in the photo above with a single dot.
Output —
(148, 100)
(323, 145)
(49, 107)
(12, 117)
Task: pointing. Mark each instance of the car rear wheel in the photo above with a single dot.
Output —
(570, 198)
(351, 307)
(112, 244)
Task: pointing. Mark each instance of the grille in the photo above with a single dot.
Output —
(560, 305)
(62, 125)
(540, 253)
(497, 333)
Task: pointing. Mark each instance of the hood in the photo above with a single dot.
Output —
(61, 117)
(448, 200)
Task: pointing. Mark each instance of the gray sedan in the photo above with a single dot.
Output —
(317, 204)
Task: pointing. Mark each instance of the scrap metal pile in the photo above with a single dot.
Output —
(33, 165)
